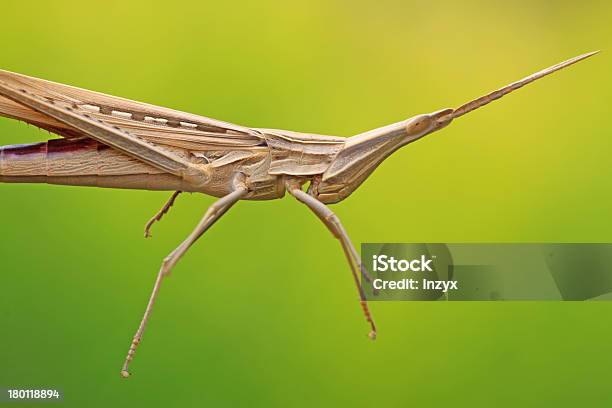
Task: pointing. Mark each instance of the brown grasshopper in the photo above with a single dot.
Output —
(118, 143)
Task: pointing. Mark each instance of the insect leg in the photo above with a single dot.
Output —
(356, 258)
(214, 212)
(160, 213)
(333, 223)
(366, 275)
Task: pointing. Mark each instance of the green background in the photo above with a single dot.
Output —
(262, 311)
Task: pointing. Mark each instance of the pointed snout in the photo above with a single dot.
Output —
(442, 118)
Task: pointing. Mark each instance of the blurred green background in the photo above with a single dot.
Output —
(262, 311)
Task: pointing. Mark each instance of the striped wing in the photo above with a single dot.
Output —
(155, 124)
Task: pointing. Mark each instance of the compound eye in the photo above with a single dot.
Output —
(418, 125)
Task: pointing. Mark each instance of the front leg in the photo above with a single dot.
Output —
(333, 223)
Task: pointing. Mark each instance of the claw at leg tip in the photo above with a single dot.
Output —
(372, 335)
(125, 373)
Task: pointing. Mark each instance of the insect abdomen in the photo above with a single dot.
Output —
(82, 162)
(68, 157)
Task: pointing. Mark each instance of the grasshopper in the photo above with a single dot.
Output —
(118, 143)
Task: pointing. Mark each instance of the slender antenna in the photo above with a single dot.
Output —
(483, 100)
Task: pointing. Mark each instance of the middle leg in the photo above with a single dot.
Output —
(214, 212)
